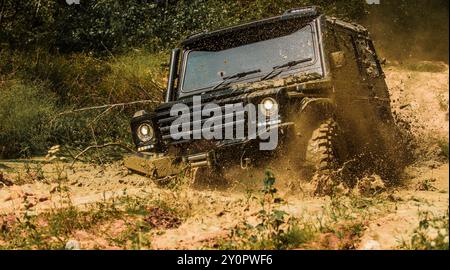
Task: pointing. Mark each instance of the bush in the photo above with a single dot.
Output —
(82, 79)
(136, 75)
(25, 113)
(74, 81)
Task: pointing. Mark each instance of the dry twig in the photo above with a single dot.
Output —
(109, 106)
(98, 147)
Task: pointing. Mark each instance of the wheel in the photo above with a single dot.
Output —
(326, 148)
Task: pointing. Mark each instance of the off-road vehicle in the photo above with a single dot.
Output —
(321, 73)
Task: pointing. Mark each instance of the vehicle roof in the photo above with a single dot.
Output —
(310, 13)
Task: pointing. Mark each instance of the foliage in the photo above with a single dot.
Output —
(103, 25)
(25, 111)
(82, 79)
(431, 234)
(64, 82)
(109, 25)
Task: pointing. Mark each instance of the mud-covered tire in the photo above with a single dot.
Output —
(326, 149)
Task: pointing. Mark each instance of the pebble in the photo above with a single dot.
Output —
(72, 245)
(371, 245)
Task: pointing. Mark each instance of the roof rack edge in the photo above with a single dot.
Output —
(309, 11)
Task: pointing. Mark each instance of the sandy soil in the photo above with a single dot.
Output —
(419, 97)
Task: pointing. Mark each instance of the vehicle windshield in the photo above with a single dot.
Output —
(206, 69)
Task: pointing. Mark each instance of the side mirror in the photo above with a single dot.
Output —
(337, 59)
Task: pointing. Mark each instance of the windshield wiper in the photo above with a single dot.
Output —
(236, 76)
(287, 65)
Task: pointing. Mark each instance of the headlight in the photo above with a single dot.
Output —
(145, 132)
(269, 106)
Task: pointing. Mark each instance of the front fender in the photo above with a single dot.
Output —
(324, 104)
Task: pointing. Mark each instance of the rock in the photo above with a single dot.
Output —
(371, 245)
(43, 199)
(72, 245)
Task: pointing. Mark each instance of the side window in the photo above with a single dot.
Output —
(368, 58)
(344, 42)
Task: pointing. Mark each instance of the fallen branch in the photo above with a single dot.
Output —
(109, 106)
(99, 147)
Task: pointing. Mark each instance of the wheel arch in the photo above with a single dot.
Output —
(320, 106)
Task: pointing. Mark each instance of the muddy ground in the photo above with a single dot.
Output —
(112, 208)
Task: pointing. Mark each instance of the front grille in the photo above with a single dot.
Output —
(196, 121)
(225, 97)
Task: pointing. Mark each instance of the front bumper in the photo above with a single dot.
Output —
(154, 166)
(162, 165)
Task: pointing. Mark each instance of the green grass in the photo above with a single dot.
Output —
(295, 237)
(25, 112)
(430, 234)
